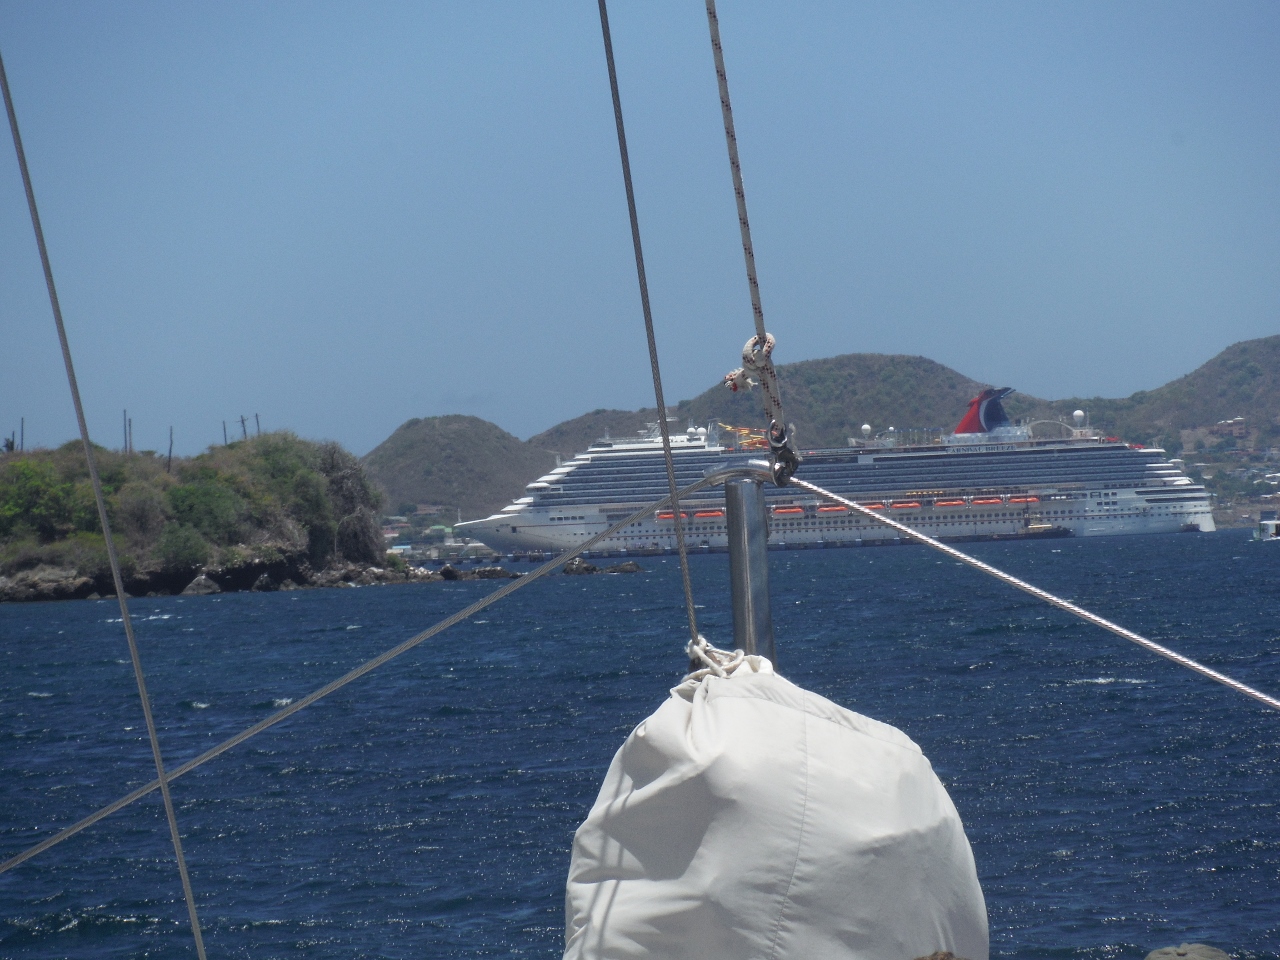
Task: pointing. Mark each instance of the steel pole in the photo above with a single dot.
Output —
(748, 529)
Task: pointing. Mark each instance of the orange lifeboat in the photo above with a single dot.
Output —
(669, 515)
(907, 505)
(787, 510)
(989, 501)
(948, 503)
(872, 506)
(1024, 499)
(708, 513)
(833, 509)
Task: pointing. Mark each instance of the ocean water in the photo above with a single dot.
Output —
(1115, 802)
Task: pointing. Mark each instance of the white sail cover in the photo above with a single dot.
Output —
(749, 818)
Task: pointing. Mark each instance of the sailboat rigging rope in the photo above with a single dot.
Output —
(757, 353)
(102, 513)
(267, 722)
(648, 328)
(1050, 598)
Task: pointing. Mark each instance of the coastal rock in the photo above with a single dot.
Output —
(627, 566)
(578, 566)
(1189, 951)
(264, 584)
(45, 583)
(201, 586)
(450, 572)
(493, 573)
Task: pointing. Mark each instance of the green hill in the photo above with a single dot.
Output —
(273, 504)
(829, 400)
(1242, 381)
(455, 461)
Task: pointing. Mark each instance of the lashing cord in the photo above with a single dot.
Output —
(757, 353)
(1047, 597)
(673, 493)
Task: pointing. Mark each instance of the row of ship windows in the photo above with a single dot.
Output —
(950, 519)
(603, 493)
(909, 520)
(794, 524)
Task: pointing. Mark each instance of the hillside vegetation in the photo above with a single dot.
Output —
(459, 462)
(1242, 381)
(274, 505)
(573, 436)
(829, 400)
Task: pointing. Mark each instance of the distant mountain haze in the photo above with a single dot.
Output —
(468, 463)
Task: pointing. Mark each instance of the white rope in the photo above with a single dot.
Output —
(735, 168)
(756, 359)
(756, 355)
(715, 661)
(1049, 598)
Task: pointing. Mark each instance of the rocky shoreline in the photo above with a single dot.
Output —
(45, 582)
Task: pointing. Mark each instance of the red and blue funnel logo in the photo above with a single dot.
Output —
(985, 412)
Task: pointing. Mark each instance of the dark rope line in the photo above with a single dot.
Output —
(648, 327)
(102, 515)
(731, 141)
(1049, 598)
(369, 665)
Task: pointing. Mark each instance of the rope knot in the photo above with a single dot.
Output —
(757, 369)
(713, 660)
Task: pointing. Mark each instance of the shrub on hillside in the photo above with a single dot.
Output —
(84, 552)
(181, 549)
(211, 507)
(34, 499)
(360, 539)
(140, 513)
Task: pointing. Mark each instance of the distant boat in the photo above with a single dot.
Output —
(1268, 528)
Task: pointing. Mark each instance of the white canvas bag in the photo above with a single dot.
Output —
(748, 818)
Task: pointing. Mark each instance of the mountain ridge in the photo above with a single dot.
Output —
(482, 467)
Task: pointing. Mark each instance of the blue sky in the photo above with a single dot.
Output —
(340, 216)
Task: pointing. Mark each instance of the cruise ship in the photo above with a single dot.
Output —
(990, 479)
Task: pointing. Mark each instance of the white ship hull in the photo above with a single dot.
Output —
(979, 490)
(537, 531)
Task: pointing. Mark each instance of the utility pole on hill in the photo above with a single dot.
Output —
(257, 423)
(224, 433)
(243, 428)
(168, 467)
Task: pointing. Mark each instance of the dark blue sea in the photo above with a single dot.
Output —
(1115, 802)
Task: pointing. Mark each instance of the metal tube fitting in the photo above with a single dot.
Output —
(748, 529)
